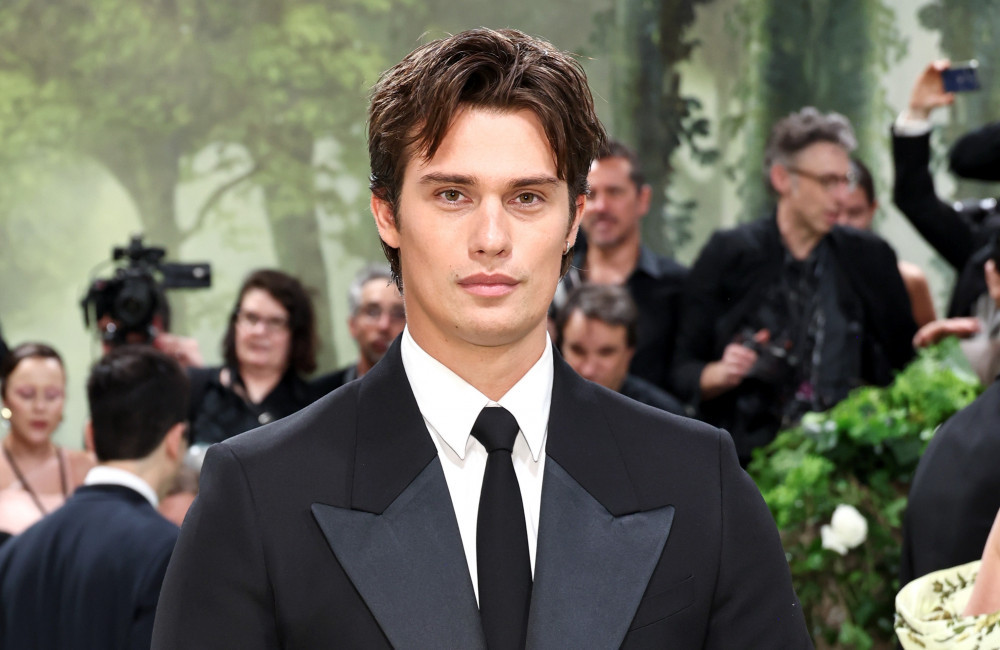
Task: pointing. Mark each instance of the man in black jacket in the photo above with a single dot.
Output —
(471, 491)
(88, 575)
(786, 314)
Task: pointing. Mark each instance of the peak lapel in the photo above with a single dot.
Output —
(596, 549)
(399, 541)
(408, 565)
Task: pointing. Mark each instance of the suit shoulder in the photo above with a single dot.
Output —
(649, 429)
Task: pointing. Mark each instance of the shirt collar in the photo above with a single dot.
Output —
(451, 405)
(105, 475)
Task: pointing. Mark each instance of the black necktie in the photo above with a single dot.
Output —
(502, 559)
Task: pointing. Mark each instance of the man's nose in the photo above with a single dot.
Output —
(588, 368)
(490, 234)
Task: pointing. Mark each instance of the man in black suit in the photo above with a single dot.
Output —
(786, 314)
(371, 519)
(89, 574)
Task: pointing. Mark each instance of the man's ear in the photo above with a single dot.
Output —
(385, 221)
(574, 228)
(88, 435)
(645, 194)
(175, 441)
(781, 178)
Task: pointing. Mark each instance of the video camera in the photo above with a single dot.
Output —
(126, 305)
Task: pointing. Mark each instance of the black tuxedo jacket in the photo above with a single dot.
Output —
(334, 528)
(86, 576)
(955, 494)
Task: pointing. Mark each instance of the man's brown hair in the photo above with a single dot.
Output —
(414, 102)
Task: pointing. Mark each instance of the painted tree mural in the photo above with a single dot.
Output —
(645, 43)
(141, 89)
(831, 55)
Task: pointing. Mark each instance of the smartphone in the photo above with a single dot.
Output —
(961, 77)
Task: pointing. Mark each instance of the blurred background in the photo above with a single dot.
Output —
(234, 132)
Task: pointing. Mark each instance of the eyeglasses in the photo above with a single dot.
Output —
(830, 182)
(374, 311)
(272, 324)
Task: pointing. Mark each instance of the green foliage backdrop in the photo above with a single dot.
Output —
(831, 55)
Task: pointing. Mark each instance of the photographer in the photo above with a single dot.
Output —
(962, 234)
(786, 314)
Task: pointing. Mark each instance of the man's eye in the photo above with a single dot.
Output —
(451, 195)
(527, 198)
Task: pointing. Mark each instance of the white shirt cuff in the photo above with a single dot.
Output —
(910, 127)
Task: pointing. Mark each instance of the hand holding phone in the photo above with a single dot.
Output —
(961, 77)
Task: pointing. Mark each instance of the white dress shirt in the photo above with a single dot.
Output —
(450, 406)
(104, 475)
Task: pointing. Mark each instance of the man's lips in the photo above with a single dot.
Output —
(489, 285)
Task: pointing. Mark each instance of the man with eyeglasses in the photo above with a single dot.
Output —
(786, 314)
(377, 318)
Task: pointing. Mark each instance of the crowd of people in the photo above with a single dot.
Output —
(776, 317)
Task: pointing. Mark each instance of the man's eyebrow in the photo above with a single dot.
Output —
(534, 181)
(439, 178)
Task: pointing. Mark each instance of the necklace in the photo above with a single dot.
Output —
(24, 482)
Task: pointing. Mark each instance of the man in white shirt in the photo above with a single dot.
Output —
(372, 519)
(88, 575)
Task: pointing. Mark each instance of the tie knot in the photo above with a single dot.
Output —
(496, 429)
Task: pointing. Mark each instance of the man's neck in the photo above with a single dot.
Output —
(492, 370)
(799, 241)
(612, 265)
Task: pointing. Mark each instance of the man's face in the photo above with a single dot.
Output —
(615, 205)
(379, 319)
(857, 212)
(482, 228)
(814, 187)
(597, 350)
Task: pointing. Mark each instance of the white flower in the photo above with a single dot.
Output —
(847, 529)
